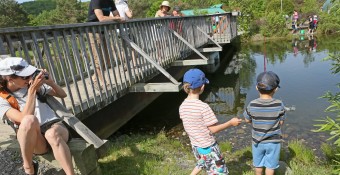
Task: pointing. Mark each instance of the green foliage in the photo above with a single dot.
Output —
(274, 25)
(154, 8)
(66, 12)
(140, 8)
(226, 146)
(200, 12)
(330, 22)
(329, 124)
(12, 14)
(36, 7)
(274, 5)
(146, 154)
(330, 152)
(300, 152)
(310, 7)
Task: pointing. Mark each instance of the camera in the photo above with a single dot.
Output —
(36, 73)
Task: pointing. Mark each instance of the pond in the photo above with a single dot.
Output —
(304, 75)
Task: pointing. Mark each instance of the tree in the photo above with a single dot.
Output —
(38, 6)
(66, 12)
(12, 14)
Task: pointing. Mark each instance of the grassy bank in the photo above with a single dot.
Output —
(157, 154)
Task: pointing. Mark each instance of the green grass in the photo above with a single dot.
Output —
(303, 161)
(159, 155)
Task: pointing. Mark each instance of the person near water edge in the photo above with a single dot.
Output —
(266, 115)
(200, 123)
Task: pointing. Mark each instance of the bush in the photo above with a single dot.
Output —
(301, 153)
(329, 124)
(274, 25)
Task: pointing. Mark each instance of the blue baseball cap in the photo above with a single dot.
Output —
(195, 77)
(268, 81)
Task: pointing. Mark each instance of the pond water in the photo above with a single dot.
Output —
(305, 77)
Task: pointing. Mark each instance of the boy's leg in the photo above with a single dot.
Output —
(258, 170)
(258, 152)
(272, 157)
(269, 171)
(195, 171)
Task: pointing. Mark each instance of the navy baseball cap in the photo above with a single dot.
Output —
(195, 77)
(268, 81)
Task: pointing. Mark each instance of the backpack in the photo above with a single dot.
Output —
(14, 104)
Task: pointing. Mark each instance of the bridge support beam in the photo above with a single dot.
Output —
(155, 87)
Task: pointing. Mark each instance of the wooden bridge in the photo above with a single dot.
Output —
(133, 53)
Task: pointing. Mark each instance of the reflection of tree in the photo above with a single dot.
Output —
(308, 58)
(248, 70)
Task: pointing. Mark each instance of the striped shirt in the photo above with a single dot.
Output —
(265, 115)
(197, 116)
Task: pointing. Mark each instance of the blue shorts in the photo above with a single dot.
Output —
(210, 159)
(266, 155)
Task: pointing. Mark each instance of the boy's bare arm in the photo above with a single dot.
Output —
(248, 121)
(219, 127)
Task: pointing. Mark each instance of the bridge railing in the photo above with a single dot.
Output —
(68, 52)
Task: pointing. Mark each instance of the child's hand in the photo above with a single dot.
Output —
(235, 121)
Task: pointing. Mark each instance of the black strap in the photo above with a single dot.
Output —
(12, 125)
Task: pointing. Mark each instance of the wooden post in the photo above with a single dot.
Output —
(74, 122)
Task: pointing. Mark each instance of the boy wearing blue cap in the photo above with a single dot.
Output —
(266, 115)
(200, 123)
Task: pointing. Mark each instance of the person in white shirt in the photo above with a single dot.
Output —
(37, 127)
(123, 9)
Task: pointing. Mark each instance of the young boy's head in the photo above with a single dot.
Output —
(193, 80)
(267, 82)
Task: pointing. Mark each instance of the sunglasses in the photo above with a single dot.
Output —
(17, 68)
(25, 78)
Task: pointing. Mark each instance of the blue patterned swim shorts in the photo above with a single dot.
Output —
(210, 159)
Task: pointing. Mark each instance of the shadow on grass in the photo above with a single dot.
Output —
(239, 164)
(131, 159)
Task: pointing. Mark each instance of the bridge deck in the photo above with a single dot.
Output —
(67, 51)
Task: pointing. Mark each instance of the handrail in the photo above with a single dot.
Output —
(67, 53)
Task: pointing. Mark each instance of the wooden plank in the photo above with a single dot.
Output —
(210, 49)
(74, 122)
(155, 87)
(152, 61)
(210, 38)
(189, 62)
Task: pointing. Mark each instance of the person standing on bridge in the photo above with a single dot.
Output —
(200, 123)
(177, 12)
(37, 127)
(101, 11)
(123, 9)
(164, 9)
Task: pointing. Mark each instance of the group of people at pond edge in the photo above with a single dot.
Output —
(312, 23)
(266, 115)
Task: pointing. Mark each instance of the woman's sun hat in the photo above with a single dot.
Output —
(165, 3)
(16, 66)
